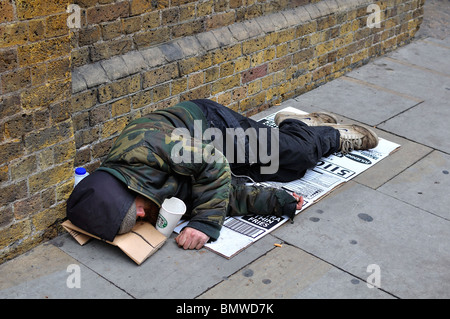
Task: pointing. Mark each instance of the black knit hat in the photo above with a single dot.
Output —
(99, 205)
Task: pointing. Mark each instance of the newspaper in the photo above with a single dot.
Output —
(329, 173)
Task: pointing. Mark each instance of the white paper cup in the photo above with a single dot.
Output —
(169, 215)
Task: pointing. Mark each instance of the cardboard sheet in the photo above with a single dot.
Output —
(139, 244)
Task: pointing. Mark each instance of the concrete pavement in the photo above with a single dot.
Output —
(330, 251)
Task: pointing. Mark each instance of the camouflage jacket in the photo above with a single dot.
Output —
(146, 158)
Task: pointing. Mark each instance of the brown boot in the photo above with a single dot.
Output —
(311, 119)
(355, 137)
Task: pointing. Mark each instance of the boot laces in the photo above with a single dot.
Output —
(348, 144)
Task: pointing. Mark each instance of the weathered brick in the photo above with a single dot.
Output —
(254, 73)
(14, 233)
(201, 92)
(16, 80)
(59, 69)
(226, 69)
(28, 9)
(161, 92)
(86, 137)
(252, 101)
(179, 86)
(99, 114)
(12, 192)
(56, 25)
(64, 151)
(83, 101)
(8, 60)
(141, 99)
(107, 12)
(194, 64)
(87, 36)
(45, 94)
(170, 15)
(152, 37)
(36, 28)
(254, 45)
(279, 64)
(18, 125)
(220, 20)
(188, 28)
(7, 10)
(23, 207)
(38, 140)
(4, 174)
(121, 106)
(196, 79)
(111, 30)
(102, 149)
(187, 12)
(43, 50)
(113, 127)
(324, 48)
(227, 54)
(225, 84)
(141, 6)
(132, 24)
(11, 150)
(160, 75)
(105, 50)
(119, 88)
(254, 87)
(13, 34)
(43, 221)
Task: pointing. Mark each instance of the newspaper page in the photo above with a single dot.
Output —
(329, 173)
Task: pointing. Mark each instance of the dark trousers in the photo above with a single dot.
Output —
(299, 146)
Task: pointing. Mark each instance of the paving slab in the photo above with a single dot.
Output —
(425, 53)
(425, 185)
(443, 42)
(405, 79)
(47, 272)
(356, 227)
(170, 273)
(289, 272)
(357, 101)
(427, 123)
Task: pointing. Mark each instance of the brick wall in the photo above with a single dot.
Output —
(111, 27)
(66, 94)
(37, 145)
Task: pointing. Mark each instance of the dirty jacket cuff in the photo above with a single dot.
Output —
(289, 209)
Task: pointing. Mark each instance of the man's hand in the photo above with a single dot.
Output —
(191, 238)
(299, 201)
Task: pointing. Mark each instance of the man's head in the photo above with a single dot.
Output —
(140, 208)
(103, 206)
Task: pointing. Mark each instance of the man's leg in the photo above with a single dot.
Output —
(299, 146)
